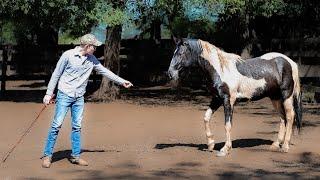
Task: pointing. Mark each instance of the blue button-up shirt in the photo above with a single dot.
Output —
(73, 70)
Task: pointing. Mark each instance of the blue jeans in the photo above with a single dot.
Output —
(63, 103)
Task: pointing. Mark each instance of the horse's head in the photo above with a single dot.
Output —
(185, 55)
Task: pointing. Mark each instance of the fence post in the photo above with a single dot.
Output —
(4, 69)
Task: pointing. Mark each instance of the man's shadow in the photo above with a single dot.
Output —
(66, 154)
(239, 143)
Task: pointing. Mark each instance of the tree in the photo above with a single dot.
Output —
(237, 22)
(254, 23)
(39, 22)
(113, 14)
(41, 17)
(181, 17)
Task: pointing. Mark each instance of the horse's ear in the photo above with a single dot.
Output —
(176, 40)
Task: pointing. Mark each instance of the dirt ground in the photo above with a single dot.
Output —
(156, 137)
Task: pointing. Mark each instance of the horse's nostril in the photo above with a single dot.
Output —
(169, 75)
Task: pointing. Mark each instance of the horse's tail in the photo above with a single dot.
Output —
(297, 94)
(297, 103)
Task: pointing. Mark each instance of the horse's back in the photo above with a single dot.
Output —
(272, 55)
(258, 68)
(277, 73)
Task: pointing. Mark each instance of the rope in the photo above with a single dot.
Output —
(24, 134)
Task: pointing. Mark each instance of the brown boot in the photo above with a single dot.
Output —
(46, 162)
(78, 161)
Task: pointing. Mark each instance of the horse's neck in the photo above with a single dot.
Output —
(208, 70)
(210, 51)
(218, 59)
(215, 62)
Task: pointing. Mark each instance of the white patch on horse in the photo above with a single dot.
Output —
(239, 85)
(175, 51)
(208, 114)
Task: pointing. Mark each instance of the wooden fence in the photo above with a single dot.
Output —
(142, 61)
(145, 62)
(306, 52)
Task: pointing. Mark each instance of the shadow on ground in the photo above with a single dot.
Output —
(23, 95)
(142, 96)
(166, 96)
(65, 154)
(239, 143)
(308, 165)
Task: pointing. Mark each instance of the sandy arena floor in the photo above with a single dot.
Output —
(126, 140)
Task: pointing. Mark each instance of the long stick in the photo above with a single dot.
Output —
(25, 133)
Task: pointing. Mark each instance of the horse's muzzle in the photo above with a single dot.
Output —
(169, 74)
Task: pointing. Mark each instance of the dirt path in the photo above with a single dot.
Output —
(122, 140)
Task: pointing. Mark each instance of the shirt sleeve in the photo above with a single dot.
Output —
(57, 73)
(106, 72)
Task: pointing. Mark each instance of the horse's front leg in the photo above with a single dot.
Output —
(214, 105)
(228, 110)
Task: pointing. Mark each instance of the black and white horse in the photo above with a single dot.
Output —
(231, 78)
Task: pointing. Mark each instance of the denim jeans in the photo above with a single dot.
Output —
(63, 103)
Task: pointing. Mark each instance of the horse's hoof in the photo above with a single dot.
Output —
(284, 150)
(221, 154)
(274, 147)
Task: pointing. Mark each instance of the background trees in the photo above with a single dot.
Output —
(254, 23)
(245, 27)
(38, 22)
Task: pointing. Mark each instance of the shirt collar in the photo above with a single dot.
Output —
(77, 50)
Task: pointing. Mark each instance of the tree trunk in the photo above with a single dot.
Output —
(155, 31)
(108, 90)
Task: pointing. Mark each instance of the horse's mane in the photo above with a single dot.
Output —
(224, 57)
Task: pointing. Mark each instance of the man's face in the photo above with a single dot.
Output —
(90, 49)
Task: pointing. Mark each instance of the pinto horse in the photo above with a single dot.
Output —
(232, 79)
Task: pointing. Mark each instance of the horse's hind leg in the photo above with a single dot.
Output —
(214, 105)
(289, 110)
(278, 105)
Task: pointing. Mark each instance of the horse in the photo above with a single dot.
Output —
(231, 79)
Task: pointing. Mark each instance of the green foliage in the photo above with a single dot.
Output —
(183, 28)
(35, 16)
(6, 33)
(179, 15)
(107, 13)
(265, 8)
(30, 17)
(66, 38)
(115, 17)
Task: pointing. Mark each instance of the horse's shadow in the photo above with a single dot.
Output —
(239, 143)
(65, 154)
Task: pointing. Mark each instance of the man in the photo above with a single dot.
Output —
(71, 74)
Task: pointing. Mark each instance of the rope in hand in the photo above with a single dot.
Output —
(27, 131)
